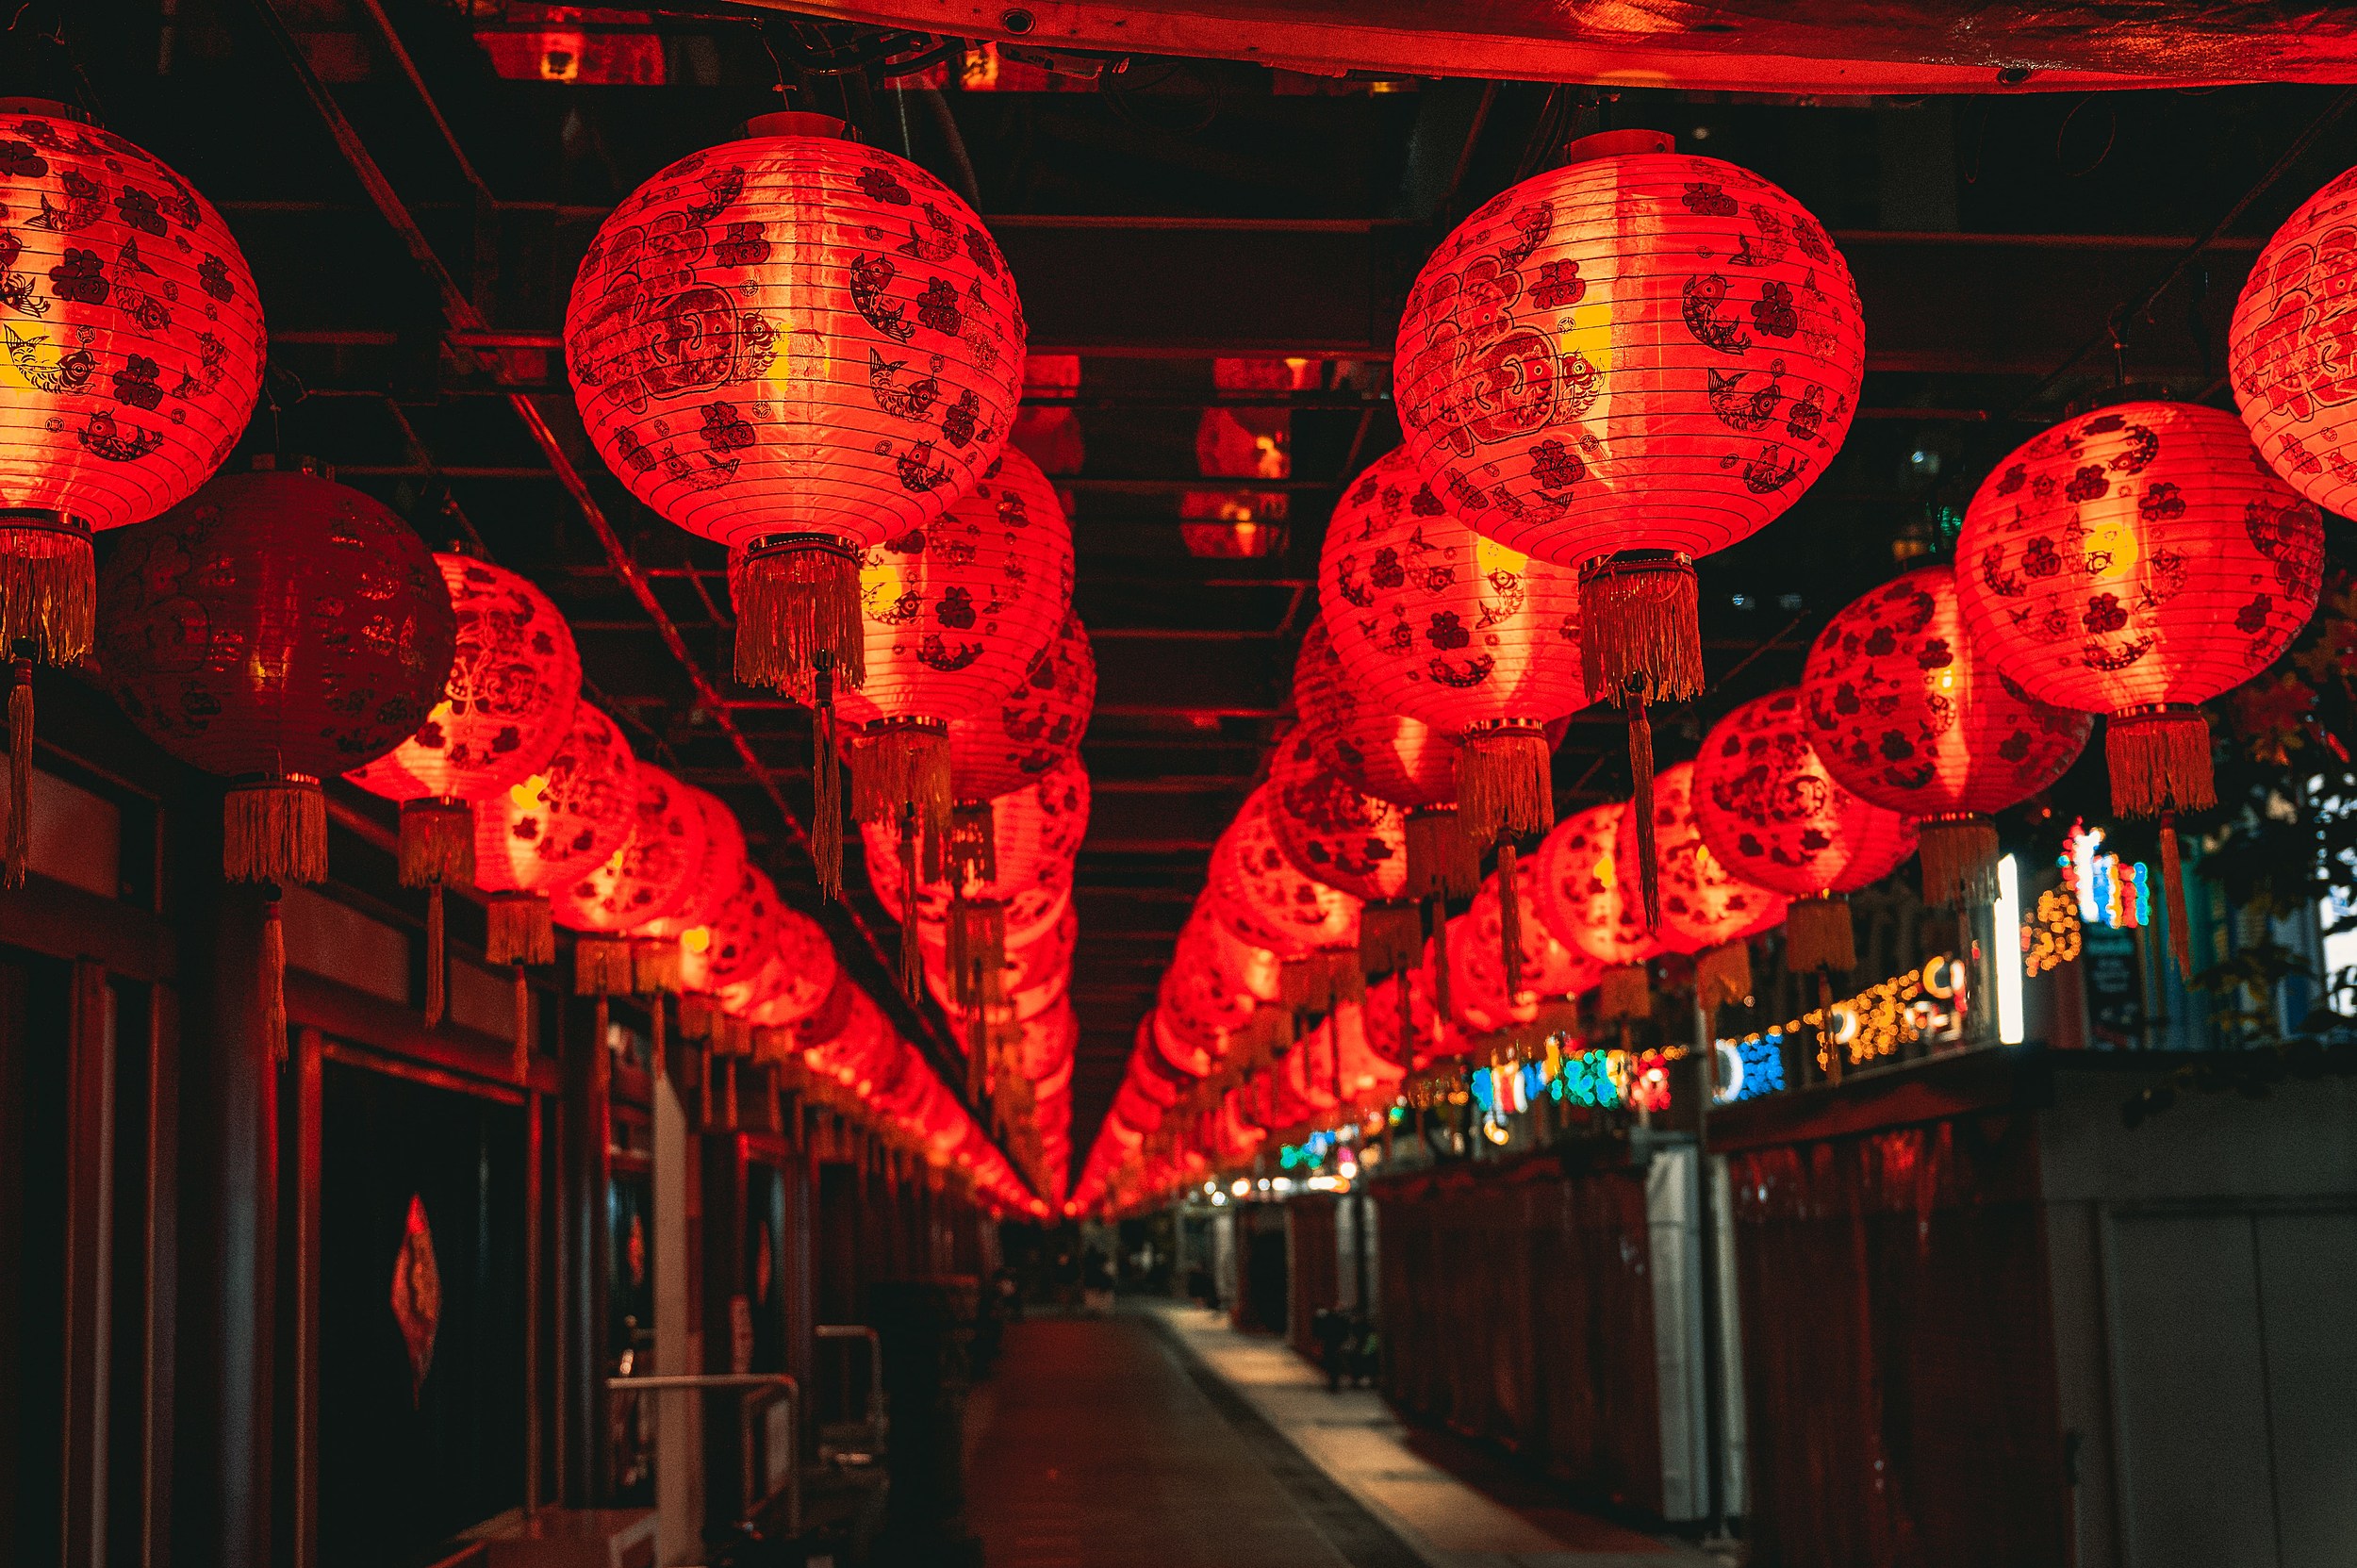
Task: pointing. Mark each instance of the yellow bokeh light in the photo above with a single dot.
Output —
(530, 795)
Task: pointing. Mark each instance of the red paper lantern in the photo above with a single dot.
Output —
(1036, 831)
(1334, 833)
(1621, 364)
(1703, 904)
(2290, 346)
(1391, 757)
(1904, 711)
(1480, 642)
(648, 879)
(1257, 896)
(1030, 728)
(1772, 815)
(2137, 561)
(275, 628)
(800, 971)
(799, 347)
(1588, 900)
(506, 708)
(1546, 966)
(136, 350)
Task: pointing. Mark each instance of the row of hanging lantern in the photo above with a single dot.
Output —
(274, 628)
(1643, 357)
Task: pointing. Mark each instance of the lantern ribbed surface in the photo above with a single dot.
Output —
(565, 820)
(1587, 887)
(719, 876)
(806, 970)
(1903, 709)
(795, 334)
(650, 877)
(1380, 753)
(1031, 727)
(2288, 349)
(1329, 829)
(1644, 350)
(1255, 893)
(2139, 554)
(134, 350)
(1772, 814)
(1703, 904)
(275, 623)
(1433, 621)
(508, 704)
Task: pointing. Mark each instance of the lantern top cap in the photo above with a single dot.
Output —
(824, 127)
(1618, 145)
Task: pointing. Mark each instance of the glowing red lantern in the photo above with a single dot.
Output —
(1545, 965)
(1705, 909)
(801, 969)
(659, 947)
(798, 347)
(648, 879)
(1621, 364)
(1391, 757)
(1904, 711)
(1587, 901)
(274, 628)
(2288, 349)
(1031, 727)
(2137, 561)
(1345, 838)
(1255, 892)
(506, 708)
(136, 353)
(1772, 814)
(549, 830)
(1479, 641)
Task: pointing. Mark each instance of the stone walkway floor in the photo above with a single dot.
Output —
(1161, 1438)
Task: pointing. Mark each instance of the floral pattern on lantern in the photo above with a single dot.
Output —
(1639, 349)
(649, 878)
(1330, 829)
(1904, 711)
(1380, 752)
(134, 351)
(1586, 897)
(1771, 814)
(1550, 967)
(2290, 346)
(1703, 904)
(1257, 895)
(803, 963)
(563, 820)
(1030, 728)
(1038, 830)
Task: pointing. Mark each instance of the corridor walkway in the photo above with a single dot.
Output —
(1162, 1439)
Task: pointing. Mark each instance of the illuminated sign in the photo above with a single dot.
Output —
(2110, 892)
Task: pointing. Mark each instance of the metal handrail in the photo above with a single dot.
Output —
(777, 1385)
(874, 1417)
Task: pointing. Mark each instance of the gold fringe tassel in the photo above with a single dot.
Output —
(2174, 884)
(48, 586)
(977, 952)
(898, 763)
(19, 858)
(695, 1016)
(911, 976)
(2160, 761)
(1640, 773)
(797, 597)
(601, 965)
(1441, 863)
(436, 842)
(1640, 631)
(1625, 991)
(275, 829)
(1817, 935)
(1510, 921)
(274, 981)
(1723, 976)
(1959, 860)
(826, 785)
(1441, 965)
(1390, 935)
(973, 849)
(655, 966)
(516, 928)
(436, 957)
(1503, 784)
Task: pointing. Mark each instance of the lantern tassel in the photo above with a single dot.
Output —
(1407, 1023)
(1390, 934)
(1817, 935)
(901, 763)
(601, 965)
(1626, 992)
(911, 976)
(1641, 774)
(797, 598)
(695, 1017)
(2160, 761)
(1959, 860)
(977, 1047)
(826, 784)
(973, 848)
(655, 966)
(1509, 920)
(977, 952)
(48, 586)
(20, 849)
(1503, 785)
(275, 829)
(1638, 626)
(1441, 965)
(1441, 861)
(2173, 885)
(273, 977)
(436, 842)
(655, 1042)
(1723, 976)
(436, 958)
(523, 1024)
(516, 928)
